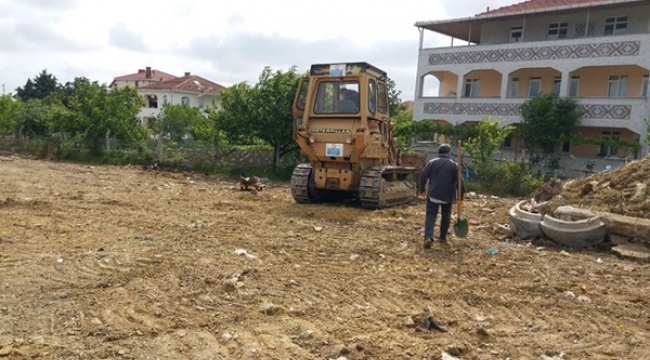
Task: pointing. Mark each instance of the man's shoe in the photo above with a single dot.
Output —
(427, 243)
(443, 241)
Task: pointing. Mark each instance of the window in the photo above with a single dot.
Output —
(644, 86)
(304, 86)
(606, 150)
(534, 87)
(573, 88)
(616, 25)
(372, 96)
(472, 87)
(566, 147)
(514, 87)
(557, 31)
(507, 142)
(185, 100)
(337, 97)
(201, 103)
(382, 98)
(516, 34)
(556, 85)
(617, 86)
(165, 101)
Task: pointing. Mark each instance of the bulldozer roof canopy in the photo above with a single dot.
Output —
(343, 69)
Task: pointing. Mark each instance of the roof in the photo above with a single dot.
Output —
(470, 27)
(142, 75)
(542, 6)
(409, 104)
(189, 83)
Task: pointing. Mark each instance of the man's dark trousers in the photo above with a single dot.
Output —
(432, 214)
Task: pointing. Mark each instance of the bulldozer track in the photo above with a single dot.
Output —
(375, 191)
(300, 183)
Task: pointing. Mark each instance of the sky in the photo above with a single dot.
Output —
(227, 44)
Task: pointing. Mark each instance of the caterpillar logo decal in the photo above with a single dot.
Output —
(330, 131)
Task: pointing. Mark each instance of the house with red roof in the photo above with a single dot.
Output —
(596, 51)
(159, 88)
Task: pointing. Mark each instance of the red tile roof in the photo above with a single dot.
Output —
(542, 5)
(409, 104)
(188, 83)
(142, 75)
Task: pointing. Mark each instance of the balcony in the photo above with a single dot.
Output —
(588, 51)
(599, 111)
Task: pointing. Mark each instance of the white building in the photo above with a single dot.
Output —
(597, 51)
(159, 88)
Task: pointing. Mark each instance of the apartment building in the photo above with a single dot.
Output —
(597, 51)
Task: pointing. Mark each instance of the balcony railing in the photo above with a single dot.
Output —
(605, 108)
(579, 48)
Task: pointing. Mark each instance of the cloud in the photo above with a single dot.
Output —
(46, 5)
(453, 10)
(29, 35)
(249, 53)
(120, 36)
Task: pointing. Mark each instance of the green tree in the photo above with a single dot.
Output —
(41, 87)
(548, 119)
(97, 110)
(9, 109)
(489, 137)
(262, 111)
(178, 120)
(483, 147)
(234, 117)
(404, 128)
(394, 101)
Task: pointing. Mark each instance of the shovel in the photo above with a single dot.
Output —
(461, 227)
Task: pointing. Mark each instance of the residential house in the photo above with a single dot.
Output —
(597, 51)
(159, 88)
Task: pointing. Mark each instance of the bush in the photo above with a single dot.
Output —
(509, 178)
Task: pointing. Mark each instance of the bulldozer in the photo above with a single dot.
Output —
(342, 125)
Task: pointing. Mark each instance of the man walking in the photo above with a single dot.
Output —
(442, 175)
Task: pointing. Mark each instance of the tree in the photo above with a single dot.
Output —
(548, 119)
(96, 110)
(262, 111)
(41, 87)
(234, 116)
(483, 146)
(178, 120)
(41, 117)
(404, 128)
(394, 101)
(9, 109)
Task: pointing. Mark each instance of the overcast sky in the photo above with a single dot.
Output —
(223, 42)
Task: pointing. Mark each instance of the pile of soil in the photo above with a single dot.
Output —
(622, 191)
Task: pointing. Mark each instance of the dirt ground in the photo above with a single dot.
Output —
(121, 263)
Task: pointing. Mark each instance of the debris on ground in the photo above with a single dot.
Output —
(430, 323)
(625, 190)
(251, 181)
(633, 251)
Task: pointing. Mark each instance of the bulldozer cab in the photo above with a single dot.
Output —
(352, 91)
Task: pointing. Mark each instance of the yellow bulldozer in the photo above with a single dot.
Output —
(342, 124)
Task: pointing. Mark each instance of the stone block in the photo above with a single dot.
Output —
(632, 227)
